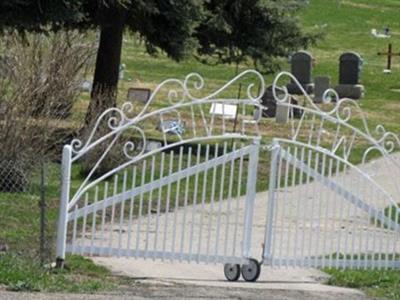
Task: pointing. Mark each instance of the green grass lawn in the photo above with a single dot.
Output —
(81, 275)
(375, 283)
(347, 28)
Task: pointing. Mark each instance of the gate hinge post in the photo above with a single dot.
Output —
(63, 210)
(250, 197)
(275, 150)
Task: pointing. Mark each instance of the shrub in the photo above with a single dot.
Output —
(40, 81)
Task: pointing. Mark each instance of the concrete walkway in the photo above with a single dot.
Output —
(157, 272)
(334, 224)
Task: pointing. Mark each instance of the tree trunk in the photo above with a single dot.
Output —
(106, 75)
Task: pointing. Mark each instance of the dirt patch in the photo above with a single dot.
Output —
(395, 106)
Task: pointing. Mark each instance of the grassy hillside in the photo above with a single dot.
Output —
(347, 28)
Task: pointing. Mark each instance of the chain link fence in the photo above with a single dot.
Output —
(13, 178)
(29, 200)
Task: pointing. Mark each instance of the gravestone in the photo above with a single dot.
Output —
(86, 86)
(138, 95)
(350, 66)
(283, 111)
(282, 114)
(269, 103)
(271, 109)
(121, 74)
(301, 68)
(322, 83)
(171, 127)
(152, 145)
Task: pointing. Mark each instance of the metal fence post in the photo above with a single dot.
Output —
(250, 197)
(275, 149)
(43, 214)
(63, 212)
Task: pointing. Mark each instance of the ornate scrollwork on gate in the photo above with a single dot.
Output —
(343, 113)
(338, 126)
(185, 103)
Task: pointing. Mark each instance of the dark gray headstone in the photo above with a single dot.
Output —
(301, 67)
(350, 68)
(269, 103)
(272, 109)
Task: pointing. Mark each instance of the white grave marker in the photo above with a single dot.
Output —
(86, 86)
(227, 111)
(153, 145)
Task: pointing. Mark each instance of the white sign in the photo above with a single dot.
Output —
(228, 111)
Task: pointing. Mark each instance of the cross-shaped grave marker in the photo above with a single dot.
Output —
(389, 55)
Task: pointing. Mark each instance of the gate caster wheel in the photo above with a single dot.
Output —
(251, 271)
(232, 272)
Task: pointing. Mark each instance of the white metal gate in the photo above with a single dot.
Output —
(323, 210)
(193, 197)
(189, 199)
(160, 216)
